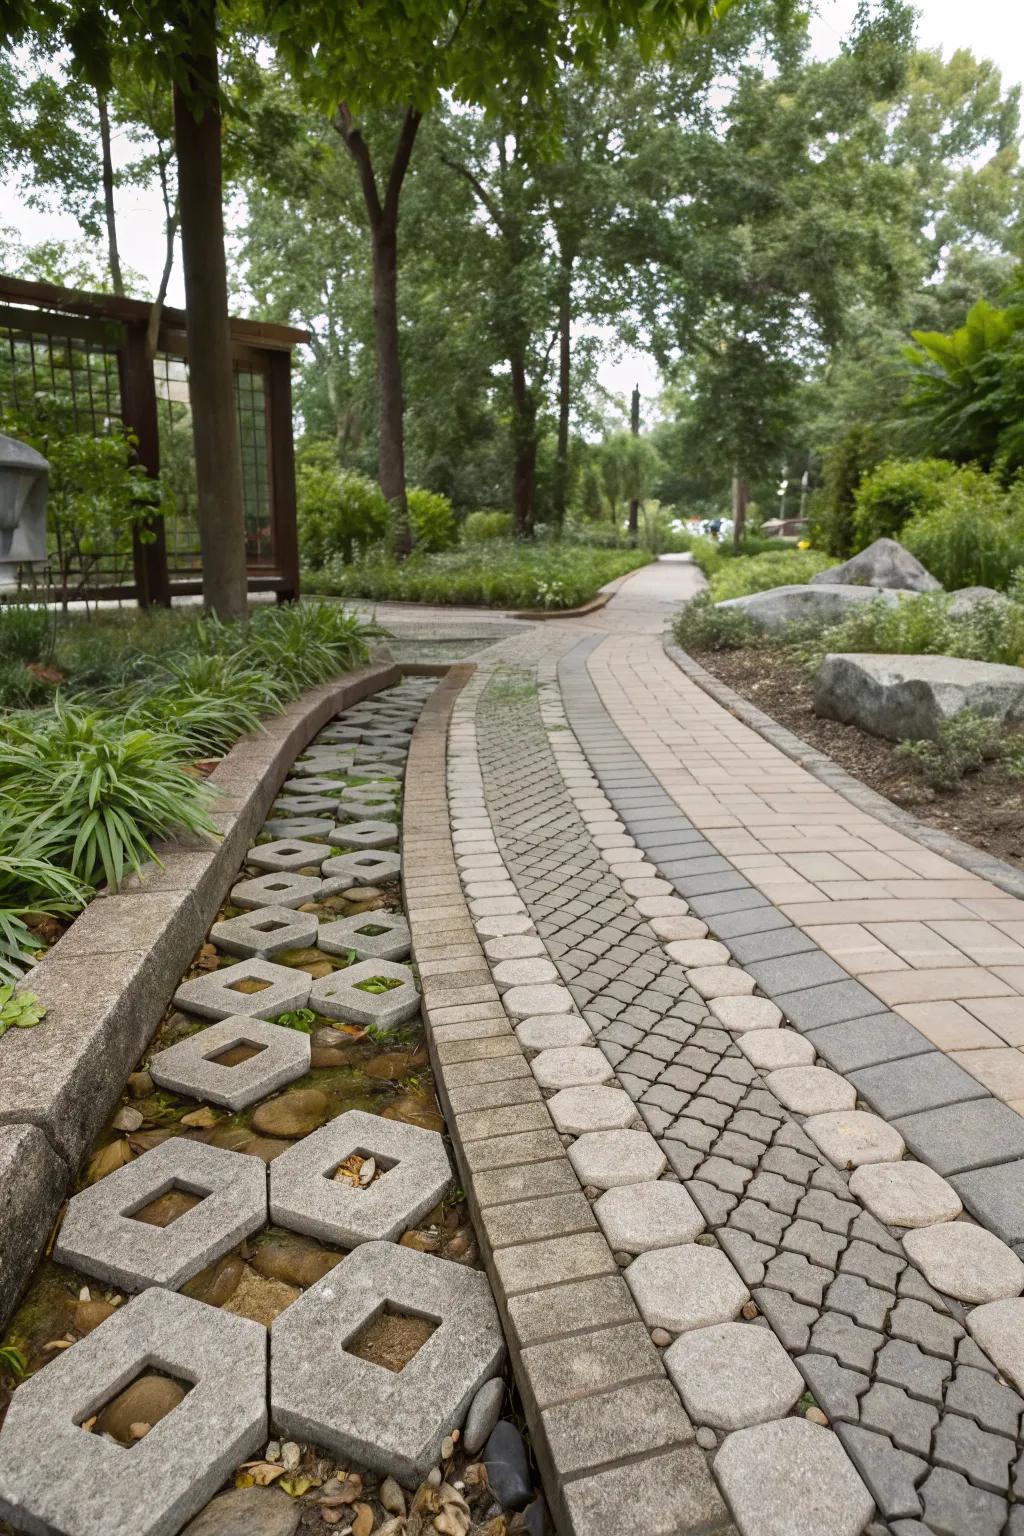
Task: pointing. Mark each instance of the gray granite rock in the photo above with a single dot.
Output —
(909, 696)
(966, 1262)
(636, 1218)
(188, 1067)
(686, 1287)
(823, 605)
(886, 564)
(732, 1375)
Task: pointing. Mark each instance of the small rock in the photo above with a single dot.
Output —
(622, 1259)
(140, 1084)
(217, 1283)
(139, 1431)
(166, 1209)
(749, 1310)
(566, 1139)
(508, 1468)
(273, 1451)
(424, 1242)
(483, 1414)
(707, 1240)
(391, 1496)
(89, 1314)
(362, 1522)
(127, 1119)
(248, 1512)
(661, 1337)
(447, 1448)
(294, 1260)
(361, 893)
(203, 1119)
(815, 1416)
(293, 1114)
(148, 1400)
(591, 1191)
(433, 1477)
(291, 1455)
(266, 1147)
(706, 1438)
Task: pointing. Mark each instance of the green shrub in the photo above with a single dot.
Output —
(759, 573)
(29, 885)
(20, 688)
(924, 626)
(846, 461)
(962, 745)
(481, 527)
(700, 626)
(338, 514)
(975, 537)
(432, 521)
(895, 492)
(24, 632)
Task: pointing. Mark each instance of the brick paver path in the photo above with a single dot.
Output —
(895, 968)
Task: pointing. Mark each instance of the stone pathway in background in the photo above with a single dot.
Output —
(771, 976)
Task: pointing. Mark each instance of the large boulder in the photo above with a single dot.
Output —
(906, 697)
(802, 605)
(883, 564)
(967, 599)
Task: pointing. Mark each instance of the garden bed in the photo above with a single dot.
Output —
(986, 810)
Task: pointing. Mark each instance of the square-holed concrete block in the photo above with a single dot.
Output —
(216, 995)
(383, 744)
(372, 789)
(339, 735)
(343, 995)
(188, 1067)
(304, 805)
(287, 853)
(57, 1476)
(101, 1236)
(320, 763)
(375, 936)
(378, 769)
(392, 1421)
(276, 889)
(365, 834)
(413, 1174)
(299, 826)
(315, 784)
(265, 932)
(374, 807)
(367, 867)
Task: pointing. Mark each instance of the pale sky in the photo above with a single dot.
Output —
(990, 28)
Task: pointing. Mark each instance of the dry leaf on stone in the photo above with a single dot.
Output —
(263, 1473)
(452, 1521)
(362, 1524)
(297, 1486)
(393, 1527)
(202, 1119)
(367, 1171)
(107, 1160)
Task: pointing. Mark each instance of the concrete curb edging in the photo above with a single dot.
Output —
(561, 1296)
(107, 982)
(825, 768)
(604, 596)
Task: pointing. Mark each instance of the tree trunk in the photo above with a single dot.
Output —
(634, 504)
(524, 446)
(740, 497)
(211, 378)
(560, 489)
(113, 254)
(390, 434)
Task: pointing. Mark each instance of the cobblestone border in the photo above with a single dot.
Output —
(107, 981)
(614, 1447)
(829, 772)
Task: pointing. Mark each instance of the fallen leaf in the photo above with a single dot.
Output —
(59, 1344)
(265, 1472)
(452, 1521)
(107, 1160)
(202, 1119)
(244, 1480)
(297, 1486)
(362, 1524)
(367, 1171)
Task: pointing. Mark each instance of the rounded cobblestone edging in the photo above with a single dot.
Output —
(106, 983)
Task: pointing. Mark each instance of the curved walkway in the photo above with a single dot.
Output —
(655, 864)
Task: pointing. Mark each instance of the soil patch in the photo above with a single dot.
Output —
(987, 810)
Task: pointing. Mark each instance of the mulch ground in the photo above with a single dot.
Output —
(987, 810)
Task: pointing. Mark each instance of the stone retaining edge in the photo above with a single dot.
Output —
(825, 768)
(108, 980)
(509, 1158)
(604, 595)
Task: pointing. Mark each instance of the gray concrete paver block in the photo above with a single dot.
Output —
(791, 1478)
(276, 889)
(771, 1049)
(216, 995)
(366, 867)
(574, 1066)
(688, 1286)
(376, 935)
(305, 1197)
(660, 1495)
(188, 1067)
(966, 1261)
(391, 1421)
(552, 1031)
(287, 853)
(926, 1081)
(342, 995)
(636, 1218)
(606, 1159)
(731, 1375)
(267, 931)
(996, 1197)
(963, 1136)
(998, 1327)
(365, 834)
(851, 1137)
(742, 1013)
(905, 1194)
(811, 1090)
(579, 1110)
(100, 1235)
(55, 1476)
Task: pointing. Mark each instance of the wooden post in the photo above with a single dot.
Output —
(139, 412)
(282, 474)
(740, 497)
(634, 427)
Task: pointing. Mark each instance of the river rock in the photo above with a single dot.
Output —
(483, 1414)
(294, 1261)
(89, 1314)
(883, 564)
(218, 1282)
(167, 1208)
(508, 1466)
(906, 697)
(248, 1512)
(266, 1147)
(148, 1400)
(293, 1114)
(804, 604)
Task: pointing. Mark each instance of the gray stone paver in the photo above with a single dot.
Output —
(188, 1067)
(792, 1479)
(732, 1375)
(832, 1281)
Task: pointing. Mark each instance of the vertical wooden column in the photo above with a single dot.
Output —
(139, 412)
(282, 474)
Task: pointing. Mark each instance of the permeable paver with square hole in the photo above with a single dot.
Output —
(378, 770)
(101, 1236)
(276, 889)
(412, 1173)
(287, 853)
(266, 932)
(366, 867)
(374, 936)
(192, 1066)
(376, 806)
(379, 992)
(365, 834)
(330, 760)
(57, 1476)
(392, 1421)
(257, 988)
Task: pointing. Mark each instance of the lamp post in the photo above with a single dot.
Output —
(24, 479)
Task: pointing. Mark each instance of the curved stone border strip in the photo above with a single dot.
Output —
(108, 980)
(829, 772)
(614, 1445)
(604, 596)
